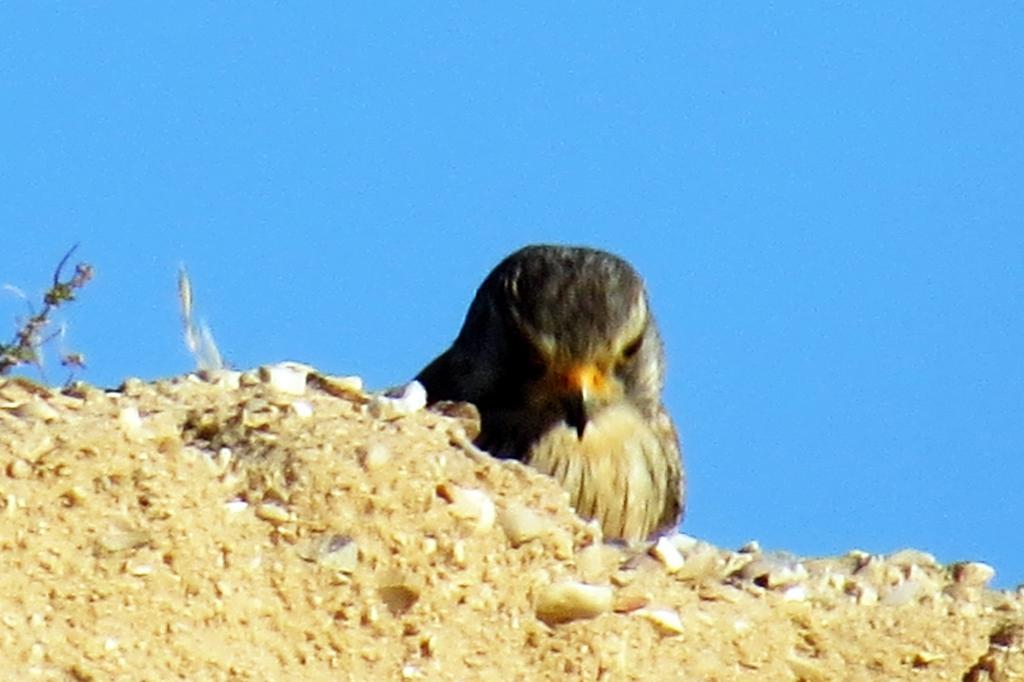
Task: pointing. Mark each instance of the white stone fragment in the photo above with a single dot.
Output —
(286, 377)
(667, 620)
(912, 557)
(666, 552)
(345, 384)
(250, 377)
(774, 571)
(470, 504)
(973, 573)
(704, 561)
(568, 601)
(339, 554)
(742, 625)
(121, 536)
(220, 462)
(735, 562)
(228, 379)
(274, 513)
(139, 570)
(795, 593)
(376, 457)
(598, 561)
(399, 402)
(522, 524)
(459, 553)
(130, 420)
(235, 506)
(904, 592)
(302, 408)
(683, 542)
(19, 468)
(862, 592)
(132, 386)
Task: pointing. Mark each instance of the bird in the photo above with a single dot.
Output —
(561, 355)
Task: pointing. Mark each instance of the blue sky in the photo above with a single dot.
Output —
(825, 200)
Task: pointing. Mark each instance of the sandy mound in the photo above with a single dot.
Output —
(255, 527)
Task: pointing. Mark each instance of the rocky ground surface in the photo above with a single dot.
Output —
(278, 524)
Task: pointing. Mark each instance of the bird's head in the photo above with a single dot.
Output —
(581, 330)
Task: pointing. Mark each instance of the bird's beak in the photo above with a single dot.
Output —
(583, 383)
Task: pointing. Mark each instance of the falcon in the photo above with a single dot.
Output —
(561, 356)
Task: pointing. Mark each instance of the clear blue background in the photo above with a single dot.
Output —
(826, 202)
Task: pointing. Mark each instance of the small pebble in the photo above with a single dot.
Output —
(667, 620)
(923, 659)
(522, 524)
(274, 513)
(235, 506)
(795, 593)
(341, 386)
(568, 601)
(19, 468)
(375, 457)
(904, 592)
(301, 408)
(459, 553)
(220, 462)
(338, 553)
(465, 414)
(399, 402)
(286, 377)
(912, 557)
(597, 561)
(130, 420)
(470, 504)
(75, 495)
(973, 573)
(120, 538)
(227, 379)
(736, 561)
(705, 562)
(250, 378)
(666, 552)
(773, 571)
(139, 570)
(862, 592)
(132, 386)
(629, 603)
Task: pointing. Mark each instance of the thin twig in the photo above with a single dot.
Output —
(29, 338)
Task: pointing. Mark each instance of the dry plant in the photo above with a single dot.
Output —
(33, 332)
(198, 337)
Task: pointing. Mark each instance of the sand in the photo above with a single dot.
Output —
(280, 525)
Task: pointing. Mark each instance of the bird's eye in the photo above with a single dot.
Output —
(630, 351)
